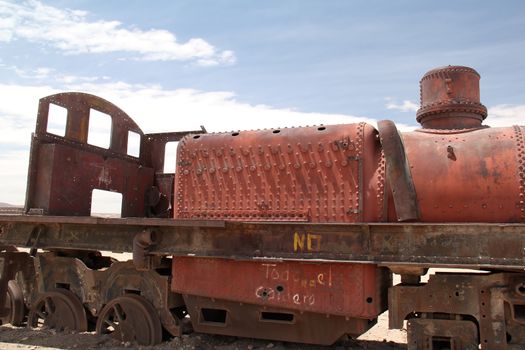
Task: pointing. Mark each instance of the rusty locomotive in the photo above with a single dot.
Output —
(289, 234)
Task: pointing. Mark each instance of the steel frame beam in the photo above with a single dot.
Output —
(494, 246)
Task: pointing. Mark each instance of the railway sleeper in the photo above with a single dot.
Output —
(462, 311)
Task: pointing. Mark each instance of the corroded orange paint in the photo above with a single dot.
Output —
(336, 288)
(320, 174)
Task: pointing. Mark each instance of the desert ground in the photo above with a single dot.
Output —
(11, 338)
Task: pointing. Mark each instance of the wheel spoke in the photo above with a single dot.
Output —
(132, 318)
(58, 309)
(119, 313)
(111, 324)
(49, 307)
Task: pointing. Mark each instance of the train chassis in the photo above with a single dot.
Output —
(278, 234)
(141, 300)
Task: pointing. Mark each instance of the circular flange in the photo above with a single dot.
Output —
(58, 309)
(14, 304)
(130, 318)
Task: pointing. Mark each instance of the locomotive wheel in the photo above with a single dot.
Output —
(14, 303)
(58, 309)
(130, 318)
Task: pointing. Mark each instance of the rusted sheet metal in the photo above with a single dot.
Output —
(63, 171)
(450, 99)
(67, 176)
(233, 318)
(461, 245)
(429, 334)
(159, 198)
(154, 149)
(17, 267)
(331, 288)
(494, 301)
(398, 172)
(469, 176)
(94, 220)
(293, 174)
(96, 281)
(463, 171)
(78, 107)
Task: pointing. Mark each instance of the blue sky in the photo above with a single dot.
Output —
(237, 64)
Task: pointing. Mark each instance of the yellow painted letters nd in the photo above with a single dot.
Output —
(298, 242)
(313, 238)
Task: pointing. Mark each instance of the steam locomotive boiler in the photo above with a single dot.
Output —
(289, 234)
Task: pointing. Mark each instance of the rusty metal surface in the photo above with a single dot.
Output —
(398, 172)
(461, 245)
(155, 146)
(63, 171)
(450, 99)
(130, 318)
(303, 235)
(93, 220)
(159, 198)
(78, 107)
(97, 280)
(238, 319)
(153, 151)
(15, 267)
(472, 176)
(438, 334)
(58, 309)
(14, 309)
(66, 178)
(293, 174)
(352, 290)
(493, 301)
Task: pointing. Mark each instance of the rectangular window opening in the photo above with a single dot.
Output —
(106, 204)
(170, 157)
(441, 343)
(214, 316)
(132, 291)
(519, 312)
(57, 120)
(133, 144)
(62, 285)
(277, 317)
(99, 132)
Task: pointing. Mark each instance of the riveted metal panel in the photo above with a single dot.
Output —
(318, 174)
(468, 175)
(336, 288)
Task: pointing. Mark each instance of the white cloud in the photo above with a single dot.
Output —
(506, 115)
(72, 32)
(406, 106)
(38, 73)
(156, 109)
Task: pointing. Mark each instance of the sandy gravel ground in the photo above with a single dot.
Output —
(378, 338)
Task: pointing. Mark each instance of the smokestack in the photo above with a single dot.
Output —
(449, 98)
